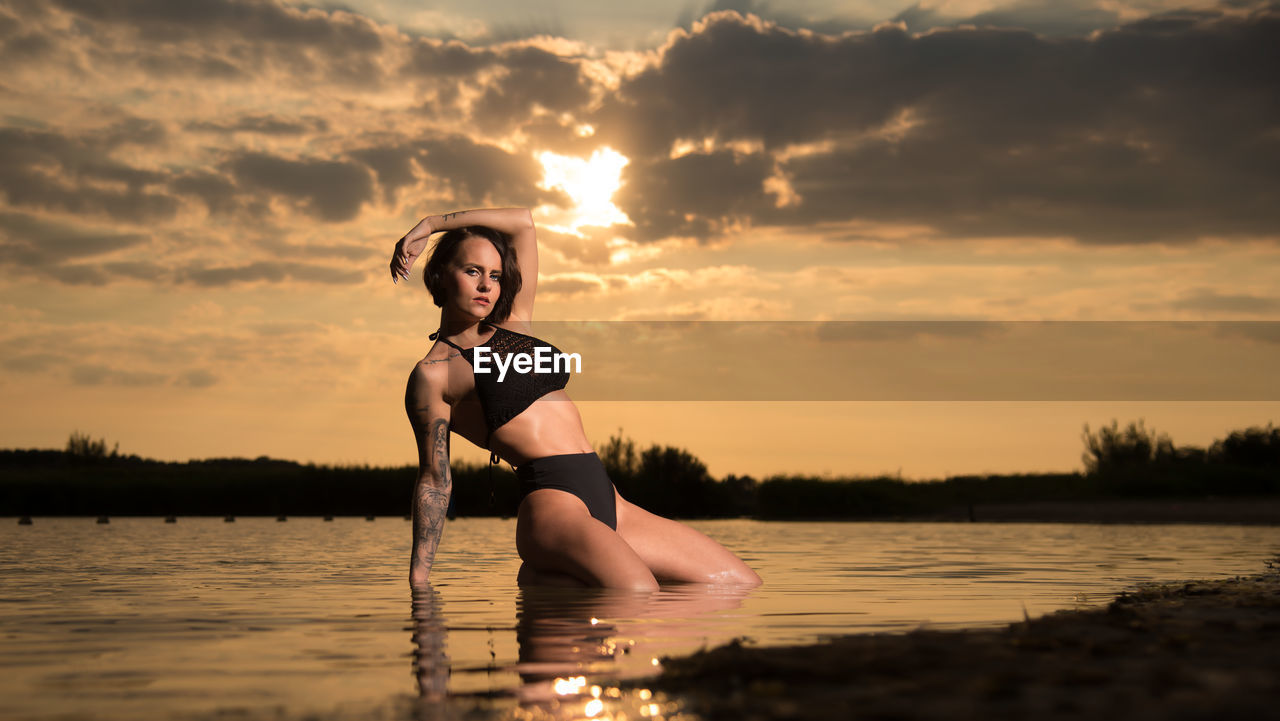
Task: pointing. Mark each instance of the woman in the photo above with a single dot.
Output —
(572, 527)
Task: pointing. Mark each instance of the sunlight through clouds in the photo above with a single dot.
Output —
(590, 183)
(197, 200)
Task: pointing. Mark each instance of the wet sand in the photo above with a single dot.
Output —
(1187, 650)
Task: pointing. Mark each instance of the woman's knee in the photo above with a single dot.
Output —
(740, 574)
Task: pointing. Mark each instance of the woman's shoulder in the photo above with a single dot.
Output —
(433, 368)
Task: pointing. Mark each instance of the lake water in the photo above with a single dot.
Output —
(311, 619)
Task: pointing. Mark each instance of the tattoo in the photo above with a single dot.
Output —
(431, 496)
(446, 359)
(451, 216)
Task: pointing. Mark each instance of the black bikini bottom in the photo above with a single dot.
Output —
(581, 474)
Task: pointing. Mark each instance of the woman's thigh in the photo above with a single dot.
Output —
(556, 533)
(676, 552)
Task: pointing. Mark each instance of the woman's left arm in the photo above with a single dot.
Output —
(516, 222)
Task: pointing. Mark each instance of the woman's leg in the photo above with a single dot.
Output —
(676, 552)
(556, 534)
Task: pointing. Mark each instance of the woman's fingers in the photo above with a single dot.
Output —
(400, 262)
(398, 272)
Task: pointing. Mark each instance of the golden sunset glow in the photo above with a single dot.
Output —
(196, 217)
(590, 182)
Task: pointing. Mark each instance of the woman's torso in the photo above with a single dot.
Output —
(550, 425)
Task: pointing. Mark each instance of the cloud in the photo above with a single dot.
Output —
(697, 195)
(218, 193)
(570, 284)
(330, 190)
(479, 173)
(534, 80)
(1158, 130)
(54, 249)
(392, 165)
(266, 124)
(271, 272)
(238, 37)
(32, 241)
(198, 378)
(1044, 17)
(1209, 300)
(1155, 131)
(70, 173)
(30, 362)
(102, 375)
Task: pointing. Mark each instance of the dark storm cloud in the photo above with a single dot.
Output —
(472, 172)
(1160, 130)
(330, 190)
(20, 44)
(68, 254)
(433, 59)
(250, 19)
(516, 84)
(675, 198)
(48, 170)
(392, 165)
(213, 189)
(30, 241)
(535, 79)
(478, 173)
(343, 45)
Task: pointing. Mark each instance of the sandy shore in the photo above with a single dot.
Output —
(1190, 650)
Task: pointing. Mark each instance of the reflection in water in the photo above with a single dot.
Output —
(307, 619)
(574, 645)
(430, 660)
(566, 632)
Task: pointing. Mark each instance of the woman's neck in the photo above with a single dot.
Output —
(453, 326)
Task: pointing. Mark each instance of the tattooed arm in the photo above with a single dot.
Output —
(516, 222)
(429, 416)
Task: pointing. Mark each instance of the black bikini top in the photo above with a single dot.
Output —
(502, 400)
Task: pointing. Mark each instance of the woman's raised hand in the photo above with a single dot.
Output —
(409, 248)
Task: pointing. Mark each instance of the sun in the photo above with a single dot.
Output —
(590, 183)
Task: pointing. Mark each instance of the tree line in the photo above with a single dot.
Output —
(1134, 462)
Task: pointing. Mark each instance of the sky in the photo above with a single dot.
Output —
(950, 233)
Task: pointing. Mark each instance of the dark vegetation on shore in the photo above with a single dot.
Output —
(1120, 464)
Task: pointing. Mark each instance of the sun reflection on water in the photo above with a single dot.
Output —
(573, 650)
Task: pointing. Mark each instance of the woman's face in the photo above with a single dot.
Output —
(476, 274)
